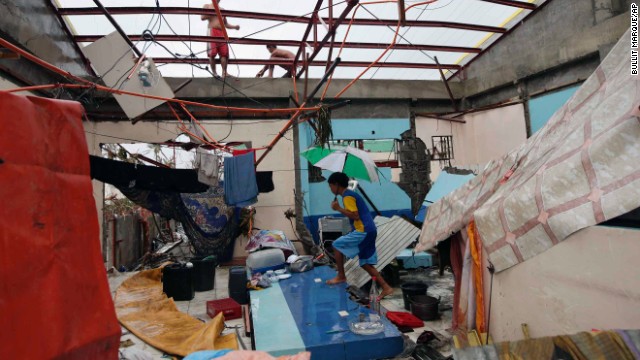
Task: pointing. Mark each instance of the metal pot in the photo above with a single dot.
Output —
(425, 307)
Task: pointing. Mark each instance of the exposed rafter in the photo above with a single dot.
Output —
(312, 63)
(296, 43)
(275, 17)
(301, 44)
(318, 41)
(518, 4)
(332, 30)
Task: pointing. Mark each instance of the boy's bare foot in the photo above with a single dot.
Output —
(385, 292)
(337, 280)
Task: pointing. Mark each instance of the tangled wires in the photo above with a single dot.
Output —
(323, 129)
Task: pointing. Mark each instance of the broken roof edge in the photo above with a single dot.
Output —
(281, 88)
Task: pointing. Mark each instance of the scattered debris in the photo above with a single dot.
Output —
(126, 343)
(134, 354)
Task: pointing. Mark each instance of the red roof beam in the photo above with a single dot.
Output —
(300, 44)
(313, 63)
(273, 17)
(295, 43)
(332, 30)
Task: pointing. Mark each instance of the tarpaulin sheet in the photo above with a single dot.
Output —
(148, 313)
(581, 169)
(54, 296)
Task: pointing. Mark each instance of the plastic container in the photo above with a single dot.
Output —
(238, 284)
(204, 273)
(410, 289)
(374, 302)
(228, 307)
(366, 327)
(425, 307)
(177, 282)
(404, 319)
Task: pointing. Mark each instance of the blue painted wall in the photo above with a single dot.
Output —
(387, 196)
(542, 107)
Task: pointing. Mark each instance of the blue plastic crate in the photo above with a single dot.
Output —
(416, 260)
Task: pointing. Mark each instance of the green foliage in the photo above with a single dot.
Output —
(119, 207)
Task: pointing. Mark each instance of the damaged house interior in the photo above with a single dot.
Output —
(326, 179)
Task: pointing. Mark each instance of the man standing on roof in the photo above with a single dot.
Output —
(362, 240)
(218, 47)
(278, 54)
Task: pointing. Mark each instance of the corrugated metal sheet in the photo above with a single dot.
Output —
(394, 235)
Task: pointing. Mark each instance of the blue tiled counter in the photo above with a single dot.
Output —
(299, 314)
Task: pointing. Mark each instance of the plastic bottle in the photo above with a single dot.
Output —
(374, 303)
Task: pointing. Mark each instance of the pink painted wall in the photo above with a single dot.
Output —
(591, 280)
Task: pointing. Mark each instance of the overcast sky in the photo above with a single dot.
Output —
(463, 11)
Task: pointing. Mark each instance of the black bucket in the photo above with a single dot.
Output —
(238, 284)
(177, 282)
(425, 307)
(204, 273)
(412, 288)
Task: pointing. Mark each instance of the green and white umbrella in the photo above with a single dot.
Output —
(353, 162)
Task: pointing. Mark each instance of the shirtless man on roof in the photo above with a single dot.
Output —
(278, 54)
(218, 47)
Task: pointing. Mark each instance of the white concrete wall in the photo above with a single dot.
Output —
(589, 281)
(486, 135)
(270, 206)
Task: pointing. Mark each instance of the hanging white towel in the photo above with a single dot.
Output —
(207, 167)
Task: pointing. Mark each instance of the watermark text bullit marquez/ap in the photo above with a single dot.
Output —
(634, 39)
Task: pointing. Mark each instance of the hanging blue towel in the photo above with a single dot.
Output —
(240, 186)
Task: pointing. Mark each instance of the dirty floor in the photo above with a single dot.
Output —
(438, 287)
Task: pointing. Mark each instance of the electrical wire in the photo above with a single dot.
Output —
(386, 50)
(436, 8)
(402, 37)
(122, 138)
(175, 33)
(136, 43)
(229, 133)
(286, 21)
(193, 55)
(144, 50)
(276, 25)
(235, 57)
(393, 42)
(190, 43)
